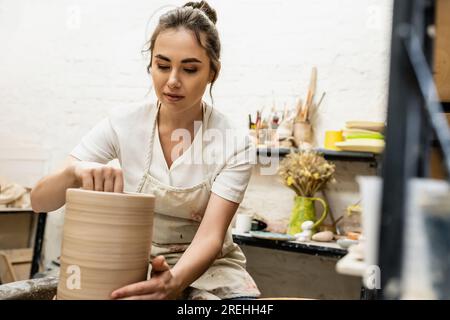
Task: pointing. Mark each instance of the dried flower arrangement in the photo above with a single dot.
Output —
(306, 172)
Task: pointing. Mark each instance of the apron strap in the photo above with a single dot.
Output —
(152, 139)
(150, 150)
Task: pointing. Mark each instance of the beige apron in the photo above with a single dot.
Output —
(178, 213)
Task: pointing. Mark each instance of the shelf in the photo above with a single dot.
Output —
(350, 265)
(347, 155)
(274, 151)
(328, 154)
(313, 248)
(15, 210)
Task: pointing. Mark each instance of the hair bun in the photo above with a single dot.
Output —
(205, 7)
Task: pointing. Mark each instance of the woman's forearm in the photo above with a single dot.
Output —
(49, 194)
(196, 260)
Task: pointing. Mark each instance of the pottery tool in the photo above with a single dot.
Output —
(309, 96)
(298, 109)
(251, 125)
(320, 100)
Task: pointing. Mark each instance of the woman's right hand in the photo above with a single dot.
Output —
(97, 177)
(49, 194)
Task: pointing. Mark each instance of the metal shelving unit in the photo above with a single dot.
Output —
(415, 119)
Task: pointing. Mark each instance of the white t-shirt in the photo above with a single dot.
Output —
(225, 156)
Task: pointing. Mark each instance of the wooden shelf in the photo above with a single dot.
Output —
(328, 154)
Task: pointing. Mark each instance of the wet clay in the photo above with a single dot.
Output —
(106, 243)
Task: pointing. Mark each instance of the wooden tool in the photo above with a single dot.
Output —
(298, 108)
(303, 116)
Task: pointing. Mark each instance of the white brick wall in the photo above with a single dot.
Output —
(64, 64)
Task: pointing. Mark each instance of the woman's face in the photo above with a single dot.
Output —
(180, 69)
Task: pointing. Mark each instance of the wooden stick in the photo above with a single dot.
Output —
(320, 101)
(298, 109)
(309, 95)
(311, 92)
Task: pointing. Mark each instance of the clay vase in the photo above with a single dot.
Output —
(106, 243)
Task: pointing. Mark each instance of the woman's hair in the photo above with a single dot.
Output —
(199, 18)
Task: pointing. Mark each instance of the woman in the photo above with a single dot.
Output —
(193, 254)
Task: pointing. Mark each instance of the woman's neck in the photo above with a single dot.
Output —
(171, 118)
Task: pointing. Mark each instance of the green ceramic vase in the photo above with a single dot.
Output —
(304, 210)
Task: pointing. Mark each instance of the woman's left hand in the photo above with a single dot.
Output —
(161, 286)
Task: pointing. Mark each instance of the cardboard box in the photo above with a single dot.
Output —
(15, 265)
(437, 170)
(442, 50)
(16, 230)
